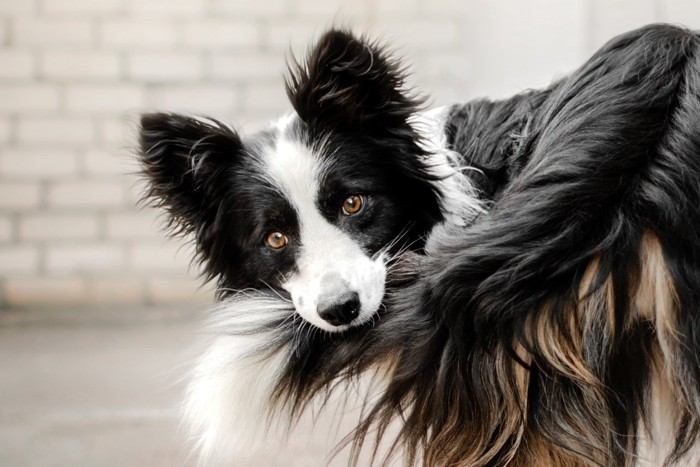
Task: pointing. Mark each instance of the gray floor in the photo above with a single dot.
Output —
(99, 388)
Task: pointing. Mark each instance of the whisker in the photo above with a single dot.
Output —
(276, 292)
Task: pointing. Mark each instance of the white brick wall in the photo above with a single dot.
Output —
(84, 257)
(80, 66)
(16, 64)
(110, 99)
(28, 99)
(5, 229)
(74, 74)
(86, 194)
(18, 197)
(58, 227)
(52, 131)
(44, 163)
(52, 32)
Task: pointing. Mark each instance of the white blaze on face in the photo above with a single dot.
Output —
(330, 262)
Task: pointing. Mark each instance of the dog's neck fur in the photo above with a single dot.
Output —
(460, 199)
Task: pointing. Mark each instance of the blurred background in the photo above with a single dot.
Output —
(96, 306)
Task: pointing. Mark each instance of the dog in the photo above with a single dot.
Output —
(521, 275)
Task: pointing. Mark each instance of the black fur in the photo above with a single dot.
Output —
(578, 173)
(528, 337)
(212, 184)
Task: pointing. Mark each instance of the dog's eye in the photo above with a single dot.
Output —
(276, 240)
(352, 205)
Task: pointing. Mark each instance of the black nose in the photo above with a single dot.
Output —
(340, 309)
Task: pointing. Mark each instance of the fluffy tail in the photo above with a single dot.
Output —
(533, 337)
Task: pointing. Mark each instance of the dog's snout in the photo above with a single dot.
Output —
(340, 309)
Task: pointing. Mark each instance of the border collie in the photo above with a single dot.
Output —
(523, 275)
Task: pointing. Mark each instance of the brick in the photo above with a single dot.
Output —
(5, 229)
(16, 259)
(422, 34)
(16, 65)
(45, 291)
(196, 99)
(164, 67)
(28, 98)
(119, 132)
(102, 162)
(347, 9)
(85, 194)
(186, 290)
(246, 8)
(116, 290)
(160, 256)
(37, 163)
(247, 67)
(52, 32)
(296, 35)
(134, 225)
(267, 97)
(138, 33)
(19, 196)
(394, 8)
(17, 7)
(33, 130)
(160, 8)
(81, 7)
(58, 227)
(215, 33)
(4, 130)
(96, 99)
(80, 66)
(444, 9)
(74, 258)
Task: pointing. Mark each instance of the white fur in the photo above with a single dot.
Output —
(460, 201)
(228, 412)
(227, 406)
(325, 249)
(654, 446)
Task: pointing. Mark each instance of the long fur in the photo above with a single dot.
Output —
(532, 337)
(545, 331)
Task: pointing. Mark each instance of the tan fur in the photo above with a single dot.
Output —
(656, 299)
(560, 344)
(536, 452)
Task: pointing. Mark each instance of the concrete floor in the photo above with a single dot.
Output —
(99, 388)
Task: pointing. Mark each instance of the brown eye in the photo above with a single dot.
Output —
(276, 240)
(352, 205)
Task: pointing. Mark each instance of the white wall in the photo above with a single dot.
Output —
(74, 74)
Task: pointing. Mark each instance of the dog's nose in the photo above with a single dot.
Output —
(341, 309)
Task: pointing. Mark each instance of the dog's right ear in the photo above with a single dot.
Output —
(350, 82)
(184, 160)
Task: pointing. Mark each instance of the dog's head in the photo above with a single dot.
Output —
(314, 206)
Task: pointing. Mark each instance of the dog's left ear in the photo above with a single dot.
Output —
(350, 83)
(185, 162)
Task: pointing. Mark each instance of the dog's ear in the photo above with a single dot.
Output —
(184, 161)
(350, 83)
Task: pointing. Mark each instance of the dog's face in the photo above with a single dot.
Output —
(315, 205)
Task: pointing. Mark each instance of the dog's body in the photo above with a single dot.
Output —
(551, 318)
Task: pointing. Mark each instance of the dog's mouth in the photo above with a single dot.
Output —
(339, 299)
(335, 303)
(338, 309)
